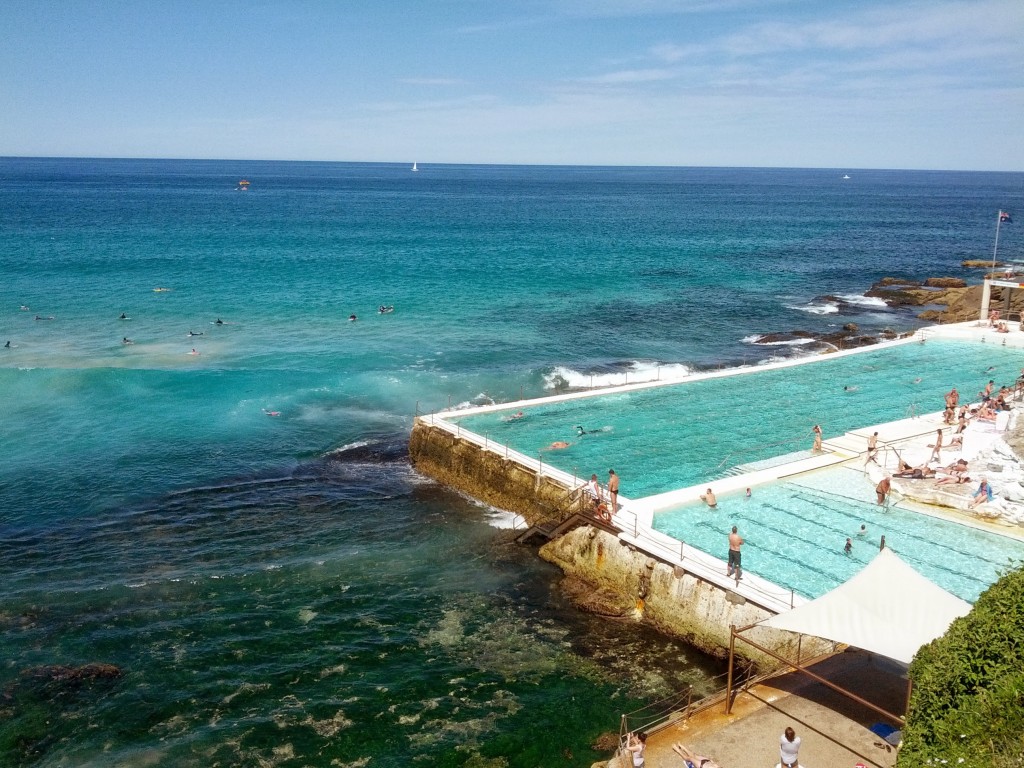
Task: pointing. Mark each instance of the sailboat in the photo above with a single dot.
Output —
(414, 168)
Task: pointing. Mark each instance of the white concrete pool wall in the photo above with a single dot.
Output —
(635, 516)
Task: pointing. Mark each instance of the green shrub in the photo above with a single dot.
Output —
(967, 704)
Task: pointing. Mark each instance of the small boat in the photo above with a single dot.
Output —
(414, 168)
(846, 175)
(243, 186)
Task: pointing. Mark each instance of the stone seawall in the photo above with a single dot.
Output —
(605, 574)
(669, 598)
(487, 476)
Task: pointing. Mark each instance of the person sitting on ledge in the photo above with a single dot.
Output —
(983, 494)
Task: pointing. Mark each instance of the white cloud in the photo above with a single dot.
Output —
(631, 76)
(439, 81)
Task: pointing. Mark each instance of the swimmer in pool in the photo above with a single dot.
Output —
(709, 498)
(558, 445)
(850, 389)
(271, 413)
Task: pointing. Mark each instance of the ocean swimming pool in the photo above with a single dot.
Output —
(795, 532)
(685, 434)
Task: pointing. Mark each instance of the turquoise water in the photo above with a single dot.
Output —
(685, 434)
(284, 590)
(795, 533)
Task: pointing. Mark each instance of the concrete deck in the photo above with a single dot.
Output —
(834, 729)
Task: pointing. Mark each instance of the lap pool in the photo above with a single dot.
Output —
(674, 436)
(795, 532)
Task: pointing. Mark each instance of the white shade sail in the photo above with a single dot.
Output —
(888, 608)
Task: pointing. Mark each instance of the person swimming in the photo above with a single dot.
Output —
(271, 413)
(126, 340)
(849, 388)
(193, 333)
(352, 317)
(193, 352)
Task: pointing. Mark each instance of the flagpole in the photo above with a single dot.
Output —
(995, 249)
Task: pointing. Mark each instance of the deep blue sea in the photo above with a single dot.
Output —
(239, 531)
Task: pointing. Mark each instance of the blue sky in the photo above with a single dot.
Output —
(856, 84)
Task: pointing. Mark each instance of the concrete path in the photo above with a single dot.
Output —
(834, 730)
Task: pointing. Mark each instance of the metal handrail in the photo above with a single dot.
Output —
(759, 447)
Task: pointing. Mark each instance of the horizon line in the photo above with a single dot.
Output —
(422, 165)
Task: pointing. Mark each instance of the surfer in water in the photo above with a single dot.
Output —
(124, 317)
(351, 318)
(193, 333)
(126, 340)
(8, 344)
(218, 321)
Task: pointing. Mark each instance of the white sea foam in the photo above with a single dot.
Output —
(862, 301)
(498, 518)
(786, 343)
(822, 308)
(562, 377)
(481, 399)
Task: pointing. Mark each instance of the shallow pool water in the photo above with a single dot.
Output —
(692, 432)
(795, 532)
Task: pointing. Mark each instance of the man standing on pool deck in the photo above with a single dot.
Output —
(872, 449)
(613, 489)
(735, 542)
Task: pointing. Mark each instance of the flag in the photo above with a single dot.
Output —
(1005, 217)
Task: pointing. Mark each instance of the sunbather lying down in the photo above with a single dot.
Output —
(692, 759)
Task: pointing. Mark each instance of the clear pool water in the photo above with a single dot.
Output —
(689, 433)
(795, 532)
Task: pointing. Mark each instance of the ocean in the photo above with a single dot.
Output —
(223, 509)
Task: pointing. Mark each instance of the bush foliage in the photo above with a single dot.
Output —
(967, 703)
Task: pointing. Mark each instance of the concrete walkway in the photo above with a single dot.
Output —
(834, 729)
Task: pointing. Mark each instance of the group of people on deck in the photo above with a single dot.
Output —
(595, 497)
(992, 402)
